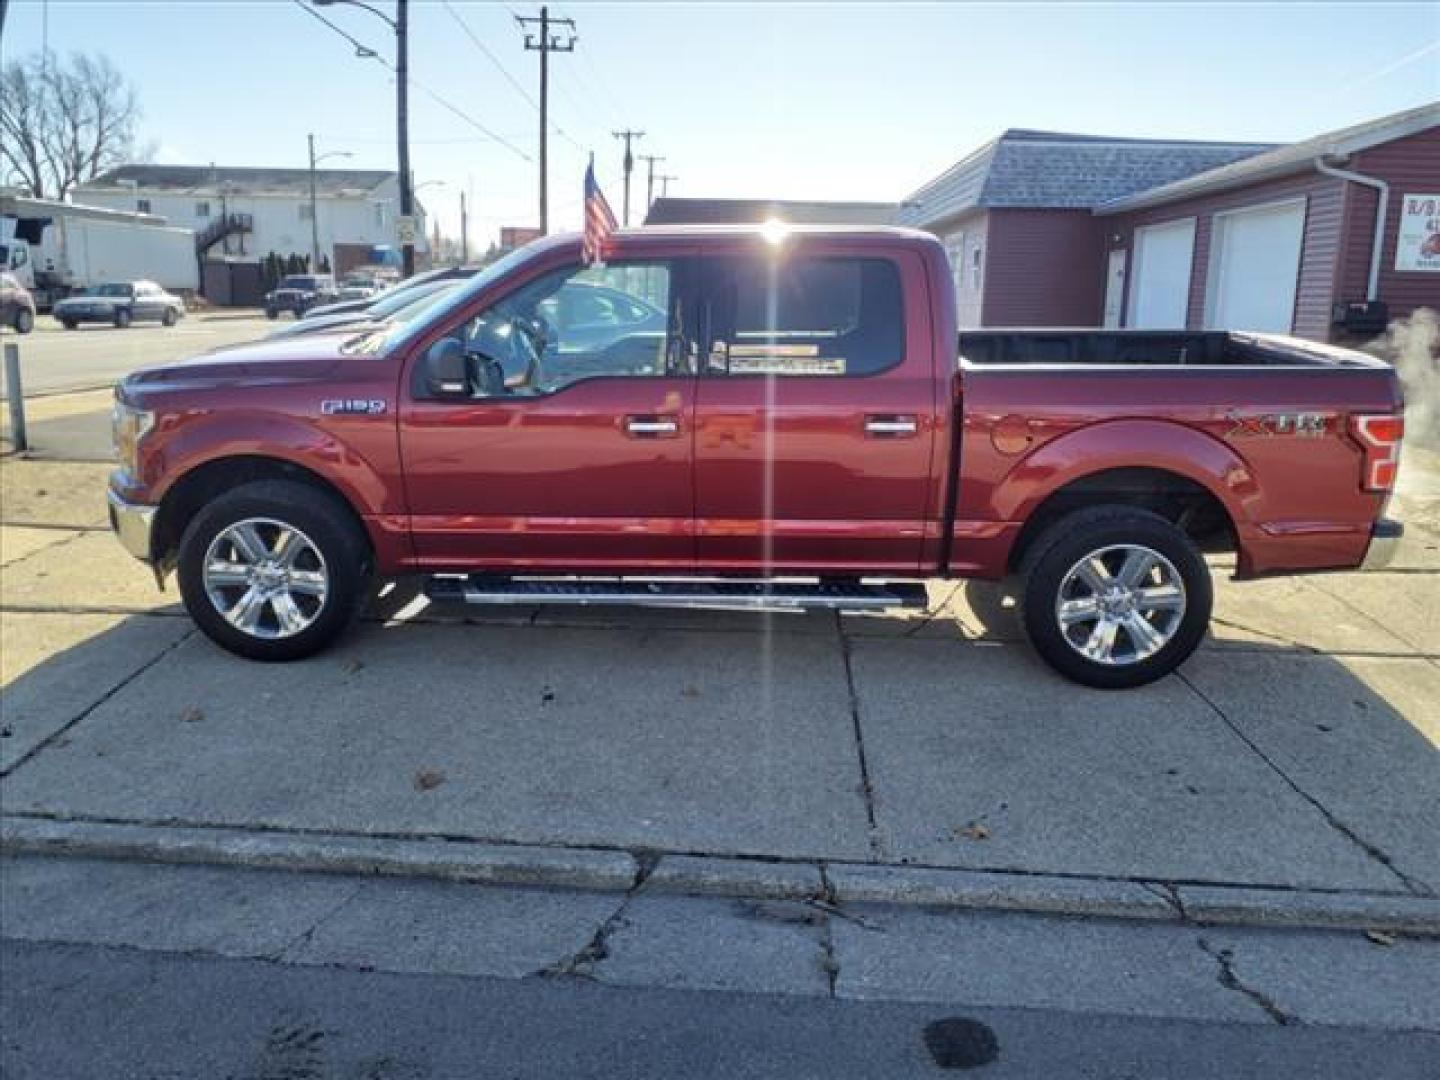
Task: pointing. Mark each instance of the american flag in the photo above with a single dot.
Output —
(599, 220)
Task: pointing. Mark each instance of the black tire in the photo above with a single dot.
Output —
(324, 520)
(122, 318)
(271, 313)
(169, 318)
(1070, 540)
(69, 324)
(24, 321)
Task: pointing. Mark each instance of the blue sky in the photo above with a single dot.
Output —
(829, 101)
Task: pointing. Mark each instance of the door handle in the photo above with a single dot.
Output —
(891, 427)
(651, 427)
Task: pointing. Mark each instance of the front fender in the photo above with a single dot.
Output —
(1130, 444)
(189, 440)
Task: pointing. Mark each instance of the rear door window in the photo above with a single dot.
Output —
(839, 317)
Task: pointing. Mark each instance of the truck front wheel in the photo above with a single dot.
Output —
(273, 570)
(1115, 597)
(24, 321)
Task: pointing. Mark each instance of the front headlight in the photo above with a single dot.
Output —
(128, 426)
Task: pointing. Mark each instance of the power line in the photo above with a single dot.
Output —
(366, 53)
(505, 71)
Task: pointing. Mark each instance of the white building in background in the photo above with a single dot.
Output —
(356, 209)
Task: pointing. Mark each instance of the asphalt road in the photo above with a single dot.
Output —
(76, 1011)
(54, 359)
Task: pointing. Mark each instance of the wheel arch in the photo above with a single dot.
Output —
(199, 485)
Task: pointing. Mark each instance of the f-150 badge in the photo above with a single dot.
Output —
(352, 406)
(1306, 425)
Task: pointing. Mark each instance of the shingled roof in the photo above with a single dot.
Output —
(210, 180)
(674, 211)
(1285, 160)
(1055, 170)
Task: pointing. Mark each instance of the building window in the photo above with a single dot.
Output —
(977, 262)
(202, 209)
(142, 206)
(306, 211)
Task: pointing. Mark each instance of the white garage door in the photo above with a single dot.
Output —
(1254, 267)
(1160, 279)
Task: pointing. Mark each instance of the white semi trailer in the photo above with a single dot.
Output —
(58, 248)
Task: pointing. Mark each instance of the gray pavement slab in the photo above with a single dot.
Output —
(53, 493)
(1406, 605)
(705, 943)
(1339, 732)
(985, 958)
(437, 927)
(1295, 612)
(982, 758)
(697, 876)
(20, 541)
(722, 743)
(53, 667)
(91, 572)
(177, 909)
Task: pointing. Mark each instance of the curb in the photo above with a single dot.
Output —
(616, 870)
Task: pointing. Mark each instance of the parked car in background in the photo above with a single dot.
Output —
(809, 428)
(17, 306)
(298, 293)
(359, 287)
(120, 304)
(445, 273)
(396, 305)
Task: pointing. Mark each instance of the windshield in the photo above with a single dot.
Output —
(107, 290)
(401, 332)
(298, 283)
(420, 304)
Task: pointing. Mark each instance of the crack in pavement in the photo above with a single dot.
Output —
(1225, 959)
(867, 786)
(12, 564)
(582, 964)
(282, 954)
(1414, 885)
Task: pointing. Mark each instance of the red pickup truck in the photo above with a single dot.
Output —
(759, 417)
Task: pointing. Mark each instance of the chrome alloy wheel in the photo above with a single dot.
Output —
(267, 579)
(1120, 604)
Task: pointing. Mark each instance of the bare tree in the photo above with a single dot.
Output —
(62, 124)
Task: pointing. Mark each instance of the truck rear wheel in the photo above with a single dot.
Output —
(122, 318)
(24, 321)
(274, 570)
(1115, 597)
(168, 319)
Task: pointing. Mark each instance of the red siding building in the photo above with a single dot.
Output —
(1047, 229)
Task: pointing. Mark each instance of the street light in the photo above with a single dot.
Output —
(314, 217)
(399, 24)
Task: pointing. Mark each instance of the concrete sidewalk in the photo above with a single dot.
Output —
(1287, 774)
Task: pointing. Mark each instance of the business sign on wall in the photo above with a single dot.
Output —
(1418, 245)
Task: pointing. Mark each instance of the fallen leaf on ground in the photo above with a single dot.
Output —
(193, 715)
(428, 779)
(353, 665)
(1379, 937)
(973, 831)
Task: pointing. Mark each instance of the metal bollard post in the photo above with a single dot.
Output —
(16, 395)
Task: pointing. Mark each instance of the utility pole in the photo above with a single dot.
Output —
(464, 233)
(545, 43)
(314, 225)
(650, 160)
(665, 184)
(628, 135)
(402, 125)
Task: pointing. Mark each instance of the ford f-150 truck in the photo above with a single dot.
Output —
(804, 427)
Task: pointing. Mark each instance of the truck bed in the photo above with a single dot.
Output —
(1150, 348)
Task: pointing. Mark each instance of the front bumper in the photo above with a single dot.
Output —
(1384, 540)
(132, 524)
